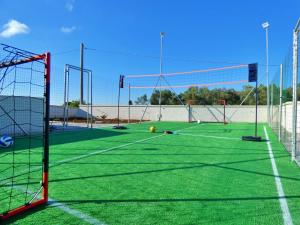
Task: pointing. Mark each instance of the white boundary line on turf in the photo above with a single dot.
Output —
(73, 212)
(109, 149)
(85, 217)
(208, 136)
(101, 151)
(282, 199)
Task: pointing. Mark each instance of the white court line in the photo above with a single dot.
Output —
(110, 149)
(80, 215)
(208, 136)
(282, 199)
(73, 212)
(85, 217)
(102, 151)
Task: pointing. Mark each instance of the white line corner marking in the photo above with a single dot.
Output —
(282, 199)
(85, 217)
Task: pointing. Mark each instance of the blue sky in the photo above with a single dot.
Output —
(125, 35)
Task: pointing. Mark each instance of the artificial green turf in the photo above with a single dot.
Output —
(191, 177)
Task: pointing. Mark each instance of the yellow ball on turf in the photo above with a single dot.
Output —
(152, 129)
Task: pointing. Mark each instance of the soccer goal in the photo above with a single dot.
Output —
(207, 95)
(78, 110)
(24, 117)
(213, 113)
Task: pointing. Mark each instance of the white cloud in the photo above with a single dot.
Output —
(14, 27)
(70, 5)
(67, 30)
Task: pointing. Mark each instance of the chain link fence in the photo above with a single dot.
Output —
(284, 97)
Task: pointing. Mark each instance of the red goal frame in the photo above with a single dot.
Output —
(223, 102)
(23, 58)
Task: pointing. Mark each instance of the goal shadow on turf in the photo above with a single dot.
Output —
(229, 199)
(22, 142)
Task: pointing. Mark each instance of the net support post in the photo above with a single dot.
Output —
(91, 106)
(189, 113)
(253, 78)
(295, 81)
(88, 102)
(129, 102)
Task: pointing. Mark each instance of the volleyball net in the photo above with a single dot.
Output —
(200, 93)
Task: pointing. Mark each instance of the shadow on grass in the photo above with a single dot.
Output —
(199, 165)
(25, 214)
(26, 142)
(227, 144)
(176, 200)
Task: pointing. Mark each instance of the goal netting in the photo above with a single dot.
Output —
(78, 110)
(24, 116)
(206, 95)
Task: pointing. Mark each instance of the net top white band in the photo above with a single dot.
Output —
(188, 72)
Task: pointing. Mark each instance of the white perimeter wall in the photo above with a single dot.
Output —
(58, 112)
(287, 119)
(25, 111)
(180, 113)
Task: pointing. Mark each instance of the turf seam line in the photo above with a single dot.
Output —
(108, 149)
(282, 199)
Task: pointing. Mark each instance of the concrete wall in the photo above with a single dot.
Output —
(25, 111)
(180, 113)
(58, 112)
(233, 113)
(287, 117)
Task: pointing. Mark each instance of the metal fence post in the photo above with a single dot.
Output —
(295, 81)
(280, 101)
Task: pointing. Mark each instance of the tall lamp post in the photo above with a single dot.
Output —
(266, 26)
(162, 34)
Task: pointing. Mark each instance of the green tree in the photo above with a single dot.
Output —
(167, 98)
(74, 104)
(191, 95)
(262, 95)
(142, 100)
(249, 99)
(206, 96)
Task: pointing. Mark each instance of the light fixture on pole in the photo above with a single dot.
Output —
(266, 26)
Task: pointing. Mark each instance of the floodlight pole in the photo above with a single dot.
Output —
(65, 97)
(81, 73)
(162, 34)
(266, 26)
